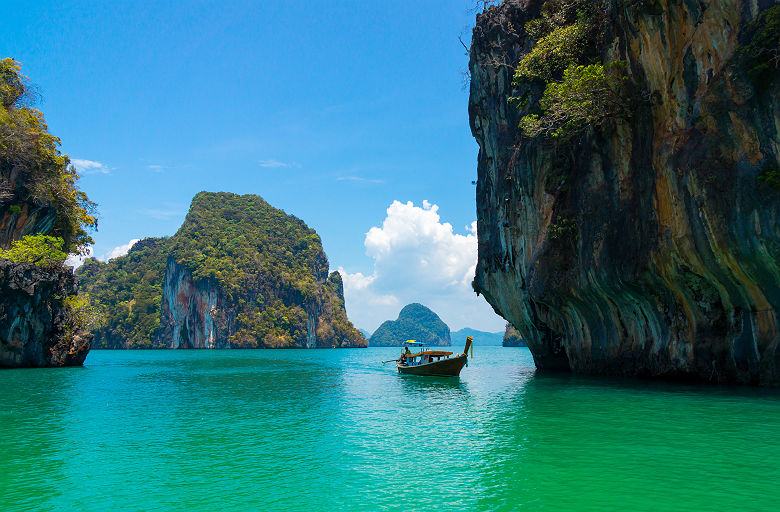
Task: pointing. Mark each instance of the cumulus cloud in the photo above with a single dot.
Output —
(90, 166)
(120, 250)
(76, 260)
(418, 258)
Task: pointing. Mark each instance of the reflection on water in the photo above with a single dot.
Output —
(333, 429)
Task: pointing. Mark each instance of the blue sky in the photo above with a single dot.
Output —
(331, 110)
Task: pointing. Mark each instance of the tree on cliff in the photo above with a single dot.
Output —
(43, 179)
(579, 91)
(42, 250)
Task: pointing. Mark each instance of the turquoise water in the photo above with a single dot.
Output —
(335, 430)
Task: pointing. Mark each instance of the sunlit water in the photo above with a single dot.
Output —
(336, 430)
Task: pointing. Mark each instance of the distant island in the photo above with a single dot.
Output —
(481, 338)
(238, 273)
(416, 322)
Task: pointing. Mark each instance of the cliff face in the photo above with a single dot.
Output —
(416, 322)
(25, 219)
(648, 246)
(35, 325)
(199, 315)
(40, 315)
(193, 313)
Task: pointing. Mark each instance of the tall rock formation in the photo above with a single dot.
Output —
(238, 274)
(416, 322)
(38, 195)
(649, 245)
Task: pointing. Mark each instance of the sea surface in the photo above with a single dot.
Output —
(276, 430)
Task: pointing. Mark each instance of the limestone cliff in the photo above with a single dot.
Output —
(36, 328)
(650, 245)
(192, 311)
(40, 316)
(239, 273)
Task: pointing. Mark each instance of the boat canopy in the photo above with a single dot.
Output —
(413, 343)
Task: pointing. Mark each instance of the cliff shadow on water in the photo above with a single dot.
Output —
(628, 193)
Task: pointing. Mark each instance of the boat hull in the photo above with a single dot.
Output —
(450, 367)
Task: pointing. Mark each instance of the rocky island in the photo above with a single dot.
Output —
(238, 273)
(628, 193)
(416, 322)
(43, 215)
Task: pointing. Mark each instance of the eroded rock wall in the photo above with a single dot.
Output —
(194, 315)
(648, 247)
(35, 325)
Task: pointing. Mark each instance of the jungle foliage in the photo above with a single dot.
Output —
(128, 293)
(43, 179)
(586, 96)
(579, 91)
(238, 241)
(42, 250)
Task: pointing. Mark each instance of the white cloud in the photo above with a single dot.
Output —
(277, 164)
(155, 168)
(418, 258)
(90, 166)
(76, 260)
(120, 250)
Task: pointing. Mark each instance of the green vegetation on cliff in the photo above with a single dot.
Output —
(760, 55)
(38, 192)
(128, 292)
(578, 90)
(241, 241)
(415, 322)
(42, 250)
(586, 96)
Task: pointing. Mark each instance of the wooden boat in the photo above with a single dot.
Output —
(432, 362)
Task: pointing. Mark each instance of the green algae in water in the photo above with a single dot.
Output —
(335, 430)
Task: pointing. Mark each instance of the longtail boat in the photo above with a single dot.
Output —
(432, 362)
